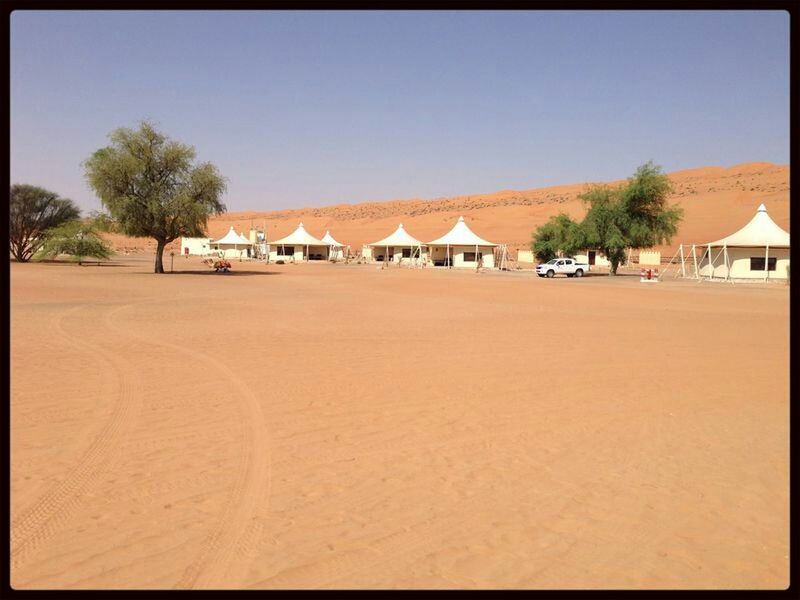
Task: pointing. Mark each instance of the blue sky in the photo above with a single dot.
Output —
(315, 108)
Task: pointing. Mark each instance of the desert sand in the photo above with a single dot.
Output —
(342, 426)
(716, 201)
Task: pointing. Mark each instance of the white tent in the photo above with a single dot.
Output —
(460, 247)
(759, 250)
(396, 247)
(233, 244)
(299, 245)
(336, 250)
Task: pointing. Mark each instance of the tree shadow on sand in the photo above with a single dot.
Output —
(70, 263)
(213, 273)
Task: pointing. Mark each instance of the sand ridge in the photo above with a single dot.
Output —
(716, 201)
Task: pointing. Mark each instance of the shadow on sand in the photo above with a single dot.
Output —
(70, 263)
(232, 273)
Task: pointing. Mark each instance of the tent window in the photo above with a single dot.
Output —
(470, 256)
(406, 252)
(757, 263)
(285, 250)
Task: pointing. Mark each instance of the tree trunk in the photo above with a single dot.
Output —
(19, 251)
(613, 262)
(160, 256)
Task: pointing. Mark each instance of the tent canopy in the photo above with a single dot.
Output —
(299, 237)
(761, 231)
(233, 238)
(460, 235)
(400, 237)
(328, 239)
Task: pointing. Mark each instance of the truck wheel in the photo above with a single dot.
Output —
(551, 273)
(579, 273)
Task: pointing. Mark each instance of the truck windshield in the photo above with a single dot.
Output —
(551, 262)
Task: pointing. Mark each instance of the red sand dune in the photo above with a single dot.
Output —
(716, 201)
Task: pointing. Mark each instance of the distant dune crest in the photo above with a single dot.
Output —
(716, 200)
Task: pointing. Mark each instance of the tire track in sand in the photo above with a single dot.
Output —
(239, 529)
(40, 521)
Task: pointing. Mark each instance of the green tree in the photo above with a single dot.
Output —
(603, 225)
(560, 234)
(78, 239)
(634, 215)
(104, 222)
(33, 211)
(151, 187)
(649, 220)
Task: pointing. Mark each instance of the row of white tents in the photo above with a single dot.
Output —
(459, 247)
(759, 250)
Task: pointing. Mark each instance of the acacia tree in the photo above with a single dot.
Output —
(634, 215)
(104, 222)
(602, 224)
(649, 220)
(76, 238)
(32, 211)
(559, 234)
(151, 187)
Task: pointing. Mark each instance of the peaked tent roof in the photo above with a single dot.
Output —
(233, 238)
(760, 231)
(328, 239)
(400, 237)
(461, 235)
(300, 237)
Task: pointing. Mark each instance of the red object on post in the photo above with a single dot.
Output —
(649, 273)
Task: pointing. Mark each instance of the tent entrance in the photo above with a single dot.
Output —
(316, 252)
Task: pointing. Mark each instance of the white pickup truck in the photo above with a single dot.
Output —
(567, 266)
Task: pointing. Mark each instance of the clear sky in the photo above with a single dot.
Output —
(314, 108)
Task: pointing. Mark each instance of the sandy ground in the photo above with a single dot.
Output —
(341, 426)
(717, 201)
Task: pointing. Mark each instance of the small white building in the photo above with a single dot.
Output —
(526, 256)
(592, 258)
(195, 246)
(650, 258)
(461, 248)
(298, 246)
(232, 246)
(336, 251)
(399, 247)
(759, 250)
